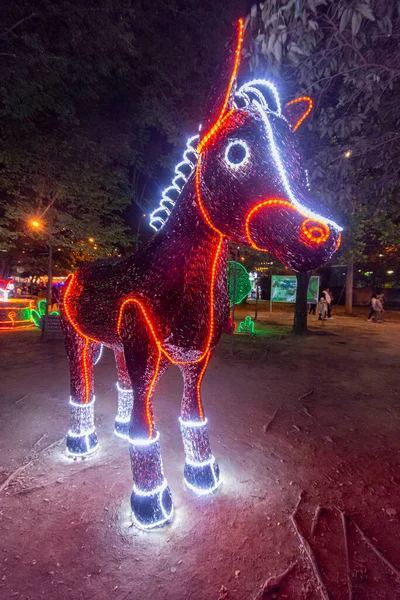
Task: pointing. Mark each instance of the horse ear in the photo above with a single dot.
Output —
(297, 110)
(221, 98)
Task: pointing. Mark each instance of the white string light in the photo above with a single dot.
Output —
(249, 87)
(277, 159)
(80, 404)
(100, 354)
(245, 158)
(200, 463)
(143, 441)
(120, 389)
(84, 433)
(167, 517)
(158, 490)
(162, 212)
(204, 491)
(193, 423)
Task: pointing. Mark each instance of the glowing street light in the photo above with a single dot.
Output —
(348, 153)
(35, 224)
(91, 240)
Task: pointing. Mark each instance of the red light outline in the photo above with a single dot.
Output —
(149, 321)
(217, 124)
(320, 226)
(303, 231)
(306, 112)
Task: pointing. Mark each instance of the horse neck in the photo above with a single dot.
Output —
(195, 244)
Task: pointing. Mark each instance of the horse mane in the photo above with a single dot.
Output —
(183, 171)
(260, 91)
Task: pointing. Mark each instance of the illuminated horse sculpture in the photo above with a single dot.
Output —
(168, 303)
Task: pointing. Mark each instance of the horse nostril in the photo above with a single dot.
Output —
(314, 232)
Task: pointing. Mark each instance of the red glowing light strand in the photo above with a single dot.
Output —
(69, 316)
(11, 315)
(215, 127)
(85, 370)
(149, 416)
(199, 201)
(148, 320)
(306, 231)
(257, 207)
(152, 328)
(83, 335)
(306, 112)
(339, 241)
(310, 228)
(198, 386)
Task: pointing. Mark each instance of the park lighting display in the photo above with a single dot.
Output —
(168, 302)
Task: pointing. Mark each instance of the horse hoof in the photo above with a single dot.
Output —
(82, 445)
(152, 509)
(121, 428)
(202, 477)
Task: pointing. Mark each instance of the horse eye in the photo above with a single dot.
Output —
(236, 153)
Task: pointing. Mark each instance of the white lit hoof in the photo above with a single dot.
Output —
(82, 445)
(152, 509)
(202, 477)
(121, 428)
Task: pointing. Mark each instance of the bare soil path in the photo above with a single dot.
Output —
(316, 416)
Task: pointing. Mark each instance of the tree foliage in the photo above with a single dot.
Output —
(94, 97)
(345, 55)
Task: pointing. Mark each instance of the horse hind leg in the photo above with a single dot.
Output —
(81, 437)
(125, 396)
(201, 471)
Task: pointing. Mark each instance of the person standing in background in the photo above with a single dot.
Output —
(322, 308)
(328, 297)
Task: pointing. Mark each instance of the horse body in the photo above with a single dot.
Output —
(98, 294)
(168, 303)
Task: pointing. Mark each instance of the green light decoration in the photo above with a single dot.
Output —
(243, 283)
(246, 326)
(38, 314)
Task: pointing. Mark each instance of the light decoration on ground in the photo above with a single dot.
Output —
(168, 303)
(246, 326)
(237, 290)
(15, 313)
(38, 314)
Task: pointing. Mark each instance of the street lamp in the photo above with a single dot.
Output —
(348, 153)
(35, 224)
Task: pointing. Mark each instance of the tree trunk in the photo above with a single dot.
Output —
(300, 310)
(48, 290)
(349, 286)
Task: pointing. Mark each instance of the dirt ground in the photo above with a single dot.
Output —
(334, 399)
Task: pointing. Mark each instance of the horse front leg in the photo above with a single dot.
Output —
(125, 396)
(82, 436)
(151, 500)
(201, 471)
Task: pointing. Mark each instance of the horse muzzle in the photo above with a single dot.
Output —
(299, 241)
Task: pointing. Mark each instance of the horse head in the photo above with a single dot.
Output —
(251, 185)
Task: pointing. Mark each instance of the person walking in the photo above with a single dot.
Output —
(376, 309)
